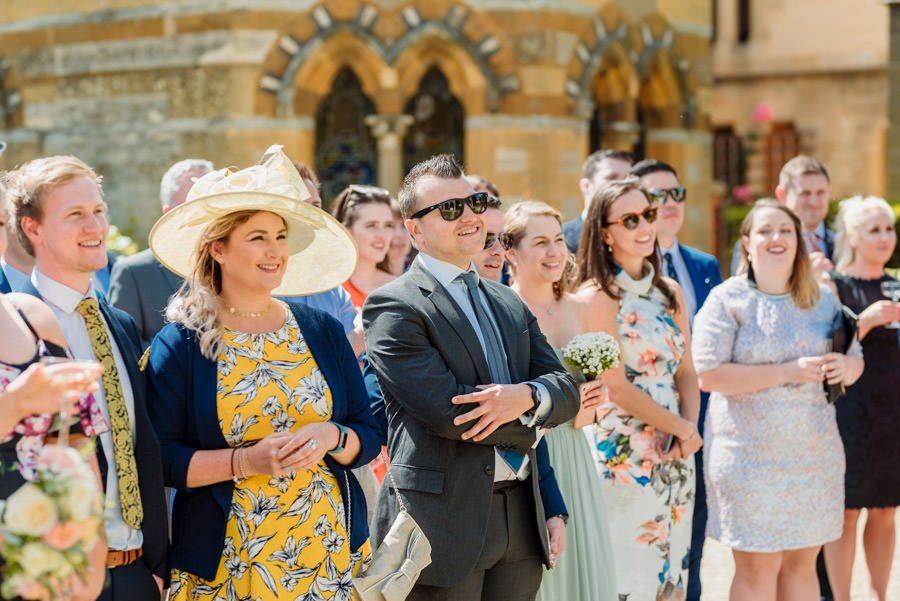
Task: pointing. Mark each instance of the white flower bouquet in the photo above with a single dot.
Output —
(49, 525)
(593, 353)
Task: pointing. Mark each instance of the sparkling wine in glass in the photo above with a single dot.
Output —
(74, 374)
(891, 289)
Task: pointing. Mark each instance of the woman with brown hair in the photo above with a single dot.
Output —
(646, 435)
(543, 270)
(366, 212)
(259, 404)
(774, 460)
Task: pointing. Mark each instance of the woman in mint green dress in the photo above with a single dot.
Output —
(541, 266)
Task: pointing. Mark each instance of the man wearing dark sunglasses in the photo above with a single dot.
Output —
(697, 273)
(467, 377)
(489, 262)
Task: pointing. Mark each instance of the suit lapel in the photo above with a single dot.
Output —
(4, 283)
(458, 321)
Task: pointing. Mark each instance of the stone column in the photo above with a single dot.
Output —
(621, 135)
(388, 131)
(893, 74)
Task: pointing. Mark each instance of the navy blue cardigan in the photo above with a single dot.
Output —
(182, 404)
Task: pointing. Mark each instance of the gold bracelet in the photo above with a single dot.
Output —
(241, 464)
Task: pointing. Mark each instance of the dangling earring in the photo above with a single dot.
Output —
(609, 249)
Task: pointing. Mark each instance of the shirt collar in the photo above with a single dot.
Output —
(672, 249)
(820, 230)
(60, 295)
(442, 271)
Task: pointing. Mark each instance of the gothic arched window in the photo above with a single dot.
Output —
(438, 126)
(345, 149)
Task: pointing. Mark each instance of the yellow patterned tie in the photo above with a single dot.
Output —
(123, 448)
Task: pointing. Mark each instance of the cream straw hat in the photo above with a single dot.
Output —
(323, 253)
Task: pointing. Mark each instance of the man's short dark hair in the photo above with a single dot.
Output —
(592, 163)
(648, 166)
(306, 172)
(444, 166)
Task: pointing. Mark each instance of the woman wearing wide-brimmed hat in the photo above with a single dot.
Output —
(259, 404)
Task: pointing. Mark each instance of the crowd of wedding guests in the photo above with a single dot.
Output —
(258, 357)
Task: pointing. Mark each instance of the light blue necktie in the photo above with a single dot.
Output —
(496, 358)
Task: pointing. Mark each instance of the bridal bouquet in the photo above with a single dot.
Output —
(49, 525)
(593, 353)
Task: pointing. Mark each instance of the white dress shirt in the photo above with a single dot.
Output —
(64, 302)
(448, 276)
(684, 278)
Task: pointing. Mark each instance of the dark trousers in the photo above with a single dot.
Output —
(509, 567)
(824, 585)
(133, 582)
(698, 531)
(698, 526)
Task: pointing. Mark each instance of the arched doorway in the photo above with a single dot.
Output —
(345, 149)
(438, 121)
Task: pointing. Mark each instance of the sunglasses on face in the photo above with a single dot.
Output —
(493, 237)
(453, 208)
(631, 220)
(658, 195)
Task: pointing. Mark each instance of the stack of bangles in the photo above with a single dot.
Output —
(234, 474)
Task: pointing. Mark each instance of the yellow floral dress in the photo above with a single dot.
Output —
(285, 536)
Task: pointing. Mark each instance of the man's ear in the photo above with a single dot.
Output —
(586, 188)
(780, 194)
(32, 230)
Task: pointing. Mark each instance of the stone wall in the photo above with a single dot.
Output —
(132, 86)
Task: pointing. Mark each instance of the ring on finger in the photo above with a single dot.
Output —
(312, 443)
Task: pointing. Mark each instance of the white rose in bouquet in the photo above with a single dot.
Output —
(30, 511)
(39, 559)
(79, 503)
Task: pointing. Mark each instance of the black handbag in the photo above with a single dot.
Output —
(844, 330)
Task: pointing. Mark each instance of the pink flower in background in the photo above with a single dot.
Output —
(63, 536)
(763, 113)
(742, 194)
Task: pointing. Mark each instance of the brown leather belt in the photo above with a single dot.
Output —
(117, 559)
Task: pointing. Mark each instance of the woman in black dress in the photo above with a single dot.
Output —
(869, 414)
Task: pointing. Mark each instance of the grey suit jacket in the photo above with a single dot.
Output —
(424, 352)
(141, 286)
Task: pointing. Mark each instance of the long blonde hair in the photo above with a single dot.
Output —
(802, 284)
(196, 304)
(516, 222)
(853, 211)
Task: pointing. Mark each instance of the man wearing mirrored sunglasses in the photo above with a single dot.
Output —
(697, 273)
(600, 167)
(467, 379)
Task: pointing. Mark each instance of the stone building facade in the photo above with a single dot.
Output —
(802, 76)
(522, 89)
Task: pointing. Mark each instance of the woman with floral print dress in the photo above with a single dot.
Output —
(646, 435)
(259, 404)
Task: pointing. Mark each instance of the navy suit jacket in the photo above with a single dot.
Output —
(704, 271)
(550, 494)
(183, 411)
(705, 275)
(572, 233)
(155, 526)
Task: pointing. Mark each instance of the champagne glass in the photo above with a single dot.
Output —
(891, 289)
(73, 374)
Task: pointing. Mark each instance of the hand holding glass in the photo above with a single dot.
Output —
(70, 377)
(891, 289)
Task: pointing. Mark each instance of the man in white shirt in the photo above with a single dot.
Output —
(467, 378)
(60, 218)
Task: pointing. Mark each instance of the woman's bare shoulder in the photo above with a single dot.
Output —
(39, 315)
